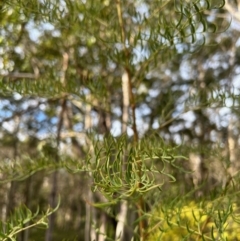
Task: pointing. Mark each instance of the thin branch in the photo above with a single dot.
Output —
(120, 20)
(133, 106)
(20, 113)
(69, 125)
(15, 76)
(128, 98)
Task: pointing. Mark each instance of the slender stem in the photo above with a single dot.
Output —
(40, 221)
(54, 190)
(120, 20)
(131, 100)
(200, 234)
(133, 106)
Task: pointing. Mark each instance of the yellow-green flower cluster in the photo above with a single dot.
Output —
(205, 221)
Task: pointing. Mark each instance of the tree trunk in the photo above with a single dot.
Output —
(121, 218)
(232, 151)
(197, 175)
(53, 203)
(25, 233)
(11, 199)
(102, 229)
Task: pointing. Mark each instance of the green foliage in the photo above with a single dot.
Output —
(21, 219)
(119, 167)
(73, 69)
(175, 23)
(208, 220)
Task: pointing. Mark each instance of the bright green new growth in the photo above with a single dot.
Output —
(115, 168)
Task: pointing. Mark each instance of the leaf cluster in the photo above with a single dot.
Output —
(21, 219)
(124, 171)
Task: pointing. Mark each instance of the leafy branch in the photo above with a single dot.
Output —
(21, 220)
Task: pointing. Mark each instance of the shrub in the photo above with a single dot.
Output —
(203, 221)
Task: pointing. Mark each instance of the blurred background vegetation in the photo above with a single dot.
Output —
(126, 110)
